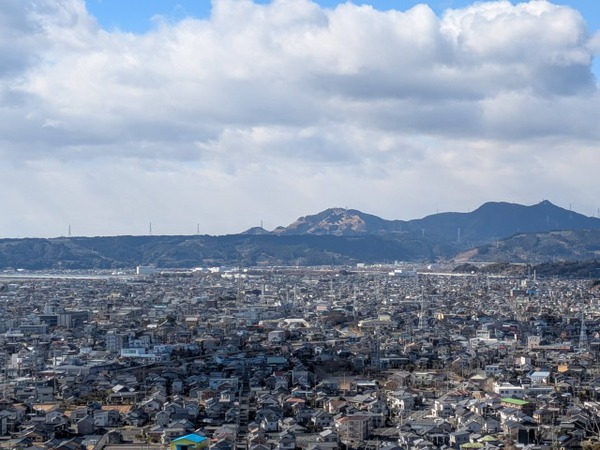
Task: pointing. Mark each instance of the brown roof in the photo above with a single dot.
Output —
(46, 407)
(122, 409)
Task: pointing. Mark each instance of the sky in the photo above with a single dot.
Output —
(218, 116)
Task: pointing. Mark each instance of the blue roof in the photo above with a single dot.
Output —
(540, 373)
(190, 437)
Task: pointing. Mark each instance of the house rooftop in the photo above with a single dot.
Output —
(514, 401)
(193, 437)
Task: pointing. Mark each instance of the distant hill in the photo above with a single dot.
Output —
(504, 232)
(497, 220)
(493, 220)
(567, 245)
(564, 269)
(255, 231)
(208, 251)
(341, 222)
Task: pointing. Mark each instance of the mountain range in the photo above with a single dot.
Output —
(493, 220)
(495, 231)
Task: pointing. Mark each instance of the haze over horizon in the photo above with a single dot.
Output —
(248, 111)
(314, 215)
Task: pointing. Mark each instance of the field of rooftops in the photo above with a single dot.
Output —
(325, 358)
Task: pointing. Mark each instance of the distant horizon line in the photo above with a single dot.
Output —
(198, 233)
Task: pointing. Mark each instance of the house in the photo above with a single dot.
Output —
(190, 441)
(287, 441)
(4, 417)
(162, 418)
(173, 430)
(107, 418)
(539, 376)
(177, 386)
(322, 419)
(36, 435)
(136, 418)
(328, 436)
(442, 409)
(508, 390)
(355, 428)
(545, 416)
(525, 407)
(152, 405)
(459, 438)
(85, 425)
(176, 411)
(400, 401)
(259, 447)
(270, 423)
(71, 444)
(222, 444)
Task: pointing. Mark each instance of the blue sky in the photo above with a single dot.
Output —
(136, 15)
(273, 111)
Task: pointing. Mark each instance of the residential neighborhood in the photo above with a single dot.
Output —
(283, 358)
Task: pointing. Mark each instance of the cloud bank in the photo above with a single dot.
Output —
(269, 112)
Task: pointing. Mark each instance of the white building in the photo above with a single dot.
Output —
(508, 390)
(145, 270)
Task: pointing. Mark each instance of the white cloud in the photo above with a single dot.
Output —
(279, 110)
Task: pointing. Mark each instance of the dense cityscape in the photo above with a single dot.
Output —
(323, 358)
(299, 225)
